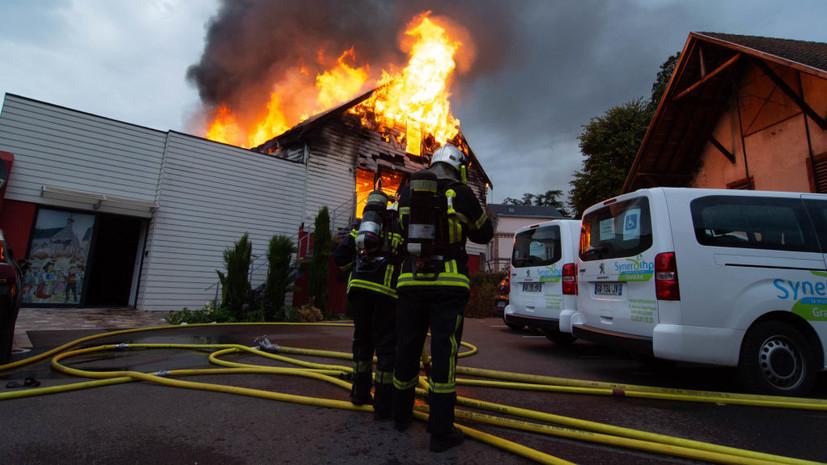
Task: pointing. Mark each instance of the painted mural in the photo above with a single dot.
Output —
(55, 268)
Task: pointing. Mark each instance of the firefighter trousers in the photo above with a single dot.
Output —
(373, 331)
(440, 310)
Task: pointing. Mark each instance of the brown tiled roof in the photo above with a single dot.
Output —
(813, 54)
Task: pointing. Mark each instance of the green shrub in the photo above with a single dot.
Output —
(322, 243)
(235, 284)
(481, 303)
(279, 257)
(209, 314)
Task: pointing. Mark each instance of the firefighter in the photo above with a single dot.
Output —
(437, 211)
(370, 252)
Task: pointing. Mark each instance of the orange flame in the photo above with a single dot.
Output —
(415, 98)
(418, 97)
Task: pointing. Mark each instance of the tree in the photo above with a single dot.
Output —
(235, 284)
(551, 198)
(662, 80)
(322, 243)
(610, 142)
(279, 257)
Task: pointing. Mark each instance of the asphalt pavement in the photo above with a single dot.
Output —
(142, 423)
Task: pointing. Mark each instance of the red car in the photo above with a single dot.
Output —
(10, 284)
(501, 300)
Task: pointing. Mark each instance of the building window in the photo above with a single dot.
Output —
(366, 181)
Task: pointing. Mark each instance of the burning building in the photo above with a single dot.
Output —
(154, 210)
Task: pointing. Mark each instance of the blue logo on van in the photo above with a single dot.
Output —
(550, 274)
(635, 269)
(810, 297)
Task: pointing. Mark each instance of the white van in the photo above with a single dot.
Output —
(723, 277)
(544, 279)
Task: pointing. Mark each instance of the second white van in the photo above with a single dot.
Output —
(723, 277)
(543, 279)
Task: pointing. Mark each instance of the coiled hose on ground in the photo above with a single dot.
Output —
(515, 417)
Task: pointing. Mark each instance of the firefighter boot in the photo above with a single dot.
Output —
(441, 422)
(383, 402)
(360, 392)
(403, 402)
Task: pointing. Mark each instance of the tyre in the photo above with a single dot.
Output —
(513, 326)
(777, 358)
(555, 336)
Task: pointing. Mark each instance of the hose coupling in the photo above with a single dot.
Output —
(263, 343)
(162, 373)
(122, 346)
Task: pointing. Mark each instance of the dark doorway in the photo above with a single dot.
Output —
(112, 260)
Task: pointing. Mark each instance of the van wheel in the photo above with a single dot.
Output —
(559, 338)
(514, 326)
(776, 358)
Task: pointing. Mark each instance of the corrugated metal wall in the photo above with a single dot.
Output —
(211, 194)
(72, 150)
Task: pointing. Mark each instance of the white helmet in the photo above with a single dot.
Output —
(450, 155)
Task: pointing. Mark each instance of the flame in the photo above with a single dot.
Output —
(415, 98)
(224, 127)
(418, 97)
(274, 123)
(341, 82)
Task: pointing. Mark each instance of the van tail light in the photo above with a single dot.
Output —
(2, 252)
(569, 279)
(666, 277)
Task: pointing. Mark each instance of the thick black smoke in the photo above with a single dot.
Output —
(250, 44)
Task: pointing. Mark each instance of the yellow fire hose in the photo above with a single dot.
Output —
(571, 428)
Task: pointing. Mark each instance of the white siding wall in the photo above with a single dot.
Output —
(80, 152)
(211, 194)
(331, 181)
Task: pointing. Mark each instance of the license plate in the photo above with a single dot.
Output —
(532, 287)
(608, 289)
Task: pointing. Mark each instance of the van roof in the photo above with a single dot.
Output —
(545, 223)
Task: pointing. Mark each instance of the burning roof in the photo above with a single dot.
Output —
(415, 96)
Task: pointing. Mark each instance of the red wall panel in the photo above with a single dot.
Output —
(16, 221)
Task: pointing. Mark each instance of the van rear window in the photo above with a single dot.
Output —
(536, 247)
(620, 229)
(753, 223)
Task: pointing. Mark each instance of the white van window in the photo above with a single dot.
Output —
(536, 247)
(753, 223)
(617, 230)
(818, 213)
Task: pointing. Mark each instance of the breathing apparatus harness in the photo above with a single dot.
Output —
(372, 243)
(432, 235)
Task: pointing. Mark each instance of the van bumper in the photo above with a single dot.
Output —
(698, 344)
(534, 323)
(631, 343)
(565, 320)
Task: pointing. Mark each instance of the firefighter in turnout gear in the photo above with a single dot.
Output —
(370, 252)
(437, 212)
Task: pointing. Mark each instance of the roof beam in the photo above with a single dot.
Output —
(781, 84)
(729, 155)
(707, 78)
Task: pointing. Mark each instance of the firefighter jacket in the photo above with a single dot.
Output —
(381, 279)
(467, 220)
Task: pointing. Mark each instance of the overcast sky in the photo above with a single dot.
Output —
(560, 64)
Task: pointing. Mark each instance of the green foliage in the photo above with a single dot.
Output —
(322, 245)
(610, 142)
(235, 284)
(662, 80)
(551, 198)
(279, 255)
(210, 313)
(481, 302)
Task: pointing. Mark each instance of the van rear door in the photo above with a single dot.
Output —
(617, 268)
(535, 278)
